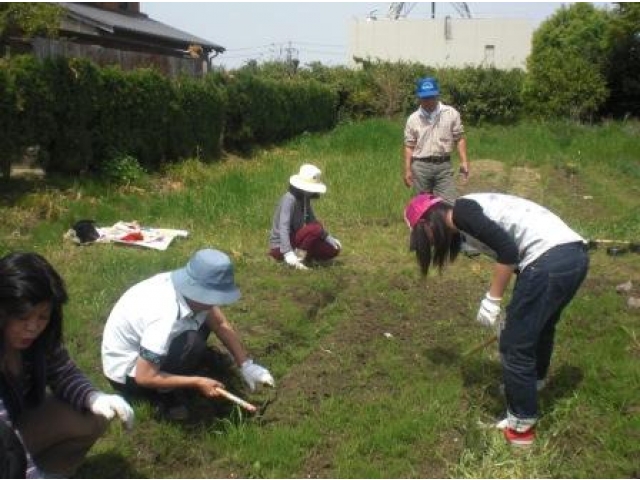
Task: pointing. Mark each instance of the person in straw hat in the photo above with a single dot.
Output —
(296, 235)
(154, 345)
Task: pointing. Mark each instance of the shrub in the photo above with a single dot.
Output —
(122, 169)
(567, 64)
(9, 144)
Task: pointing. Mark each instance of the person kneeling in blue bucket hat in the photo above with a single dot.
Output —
(155, 339)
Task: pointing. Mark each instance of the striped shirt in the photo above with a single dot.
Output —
(433, 135)
(65, 380)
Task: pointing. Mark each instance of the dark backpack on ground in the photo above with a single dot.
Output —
(86, 231)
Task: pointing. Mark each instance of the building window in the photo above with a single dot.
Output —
(490, 55)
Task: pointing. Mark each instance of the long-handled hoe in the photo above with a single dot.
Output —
(481, 346)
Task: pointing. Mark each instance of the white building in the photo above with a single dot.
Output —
(443, 42)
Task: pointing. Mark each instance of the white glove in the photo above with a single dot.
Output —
(292, 260)
(489, 311)
(255, 374)
(334, 242)
(110, 405)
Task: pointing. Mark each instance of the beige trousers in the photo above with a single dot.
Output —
(58, 436)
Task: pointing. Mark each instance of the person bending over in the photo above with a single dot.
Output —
(549, 260)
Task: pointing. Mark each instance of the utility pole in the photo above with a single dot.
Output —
(291, 57)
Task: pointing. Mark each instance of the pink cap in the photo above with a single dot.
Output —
(418, 206)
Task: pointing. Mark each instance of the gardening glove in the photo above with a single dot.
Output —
(292, 260)
(254, 375)
(489, 311)
(334, 242)
(108, 406)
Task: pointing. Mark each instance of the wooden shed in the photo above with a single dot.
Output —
(118, 33)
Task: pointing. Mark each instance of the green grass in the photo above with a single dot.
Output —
(368, 358)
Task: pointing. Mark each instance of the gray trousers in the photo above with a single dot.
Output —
(435, 178)
(58, 436)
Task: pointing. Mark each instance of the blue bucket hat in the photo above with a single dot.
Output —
(427, 87)
(207, 278)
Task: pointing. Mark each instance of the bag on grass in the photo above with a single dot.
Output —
(83, 232)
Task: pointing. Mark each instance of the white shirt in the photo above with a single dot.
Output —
(534, 229)
(149, 315)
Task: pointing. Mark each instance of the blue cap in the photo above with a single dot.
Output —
(427, 87)
(207, 279)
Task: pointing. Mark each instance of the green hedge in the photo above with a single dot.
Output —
(387, 89)
(263, 111)
(9, 144)
(84, 117)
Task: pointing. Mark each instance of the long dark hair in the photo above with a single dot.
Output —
(26, 280)
(433, 241)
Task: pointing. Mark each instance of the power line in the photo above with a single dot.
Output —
(282, 44)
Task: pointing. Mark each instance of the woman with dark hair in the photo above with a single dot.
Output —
(550, 262)
(296, 235)
(57, 427)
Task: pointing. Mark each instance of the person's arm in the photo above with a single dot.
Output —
(219, 325)
(410, 141)
(284, 223)
(464, 160)
(252, 373)
(149, 375)
(408, 177)
(469, 218)
(66, 380)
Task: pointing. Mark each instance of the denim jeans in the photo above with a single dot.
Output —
(541, 292)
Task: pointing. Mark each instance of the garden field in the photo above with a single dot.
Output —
(372, 379)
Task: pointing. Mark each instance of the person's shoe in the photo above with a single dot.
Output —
(540, 384)
(520, 439)
(301, 254)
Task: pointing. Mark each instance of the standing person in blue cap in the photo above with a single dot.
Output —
(155, 339)
(430, 135)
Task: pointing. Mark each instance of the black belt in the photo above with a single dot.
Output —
(432, 159)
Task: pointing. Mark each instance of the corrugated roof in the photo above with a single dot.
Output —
(141, 24)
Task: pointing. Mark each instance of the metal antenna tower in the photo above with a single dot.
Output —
(402, 9)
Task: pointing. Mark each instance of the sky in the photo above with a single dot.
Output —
(308, 31)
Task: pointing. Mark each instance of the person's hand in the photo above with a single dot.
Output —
(489, 311)
(464, 173)
(334, 242)
(255, 374)
(208, 386)
(408, 178)
(293, 261)
(109, 406)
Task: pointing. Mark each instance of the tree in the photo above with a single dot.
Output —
(29, 19)
(568, 63)
(623, 76)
